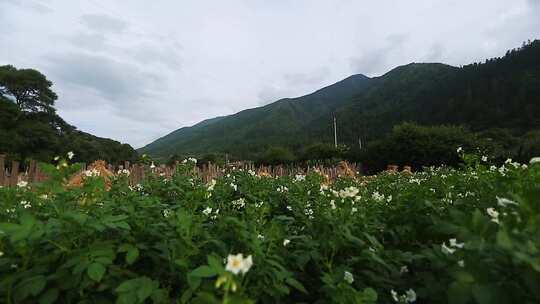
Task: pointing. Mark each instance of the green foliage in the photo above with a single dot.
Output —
(469, 235)
(530, 145)
(276, 156)
(213, 158)
(174, 159)
(322, 152)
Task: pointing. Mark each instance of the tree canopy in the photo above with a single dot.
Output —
(30, 89)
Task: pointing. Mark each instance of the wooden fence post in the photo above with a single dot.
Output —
(2, 169)
(38, 175)
(14, 173)
(135, 174)
(132, 174)
(32, 171)
(141, 174)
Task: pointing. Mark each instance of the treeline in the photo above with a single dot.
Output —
(31, 129)
(418, 146)
(407, 144)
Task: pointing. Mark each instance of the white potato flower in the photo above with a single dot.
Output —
(22, 184)
(237, 264)
(25, 204)
(377, 196)
(410, 296)
(394, 295)
(494, 214)
(91, 173)
(534, 160)
(504, 202)
(348, 192)
(348, 277)
(211, 185)
(282, 189)
(454, 243)
(239, 203)
(207, 211)
(124, 172)
(404, 269)
(333, 204)
(447, 250)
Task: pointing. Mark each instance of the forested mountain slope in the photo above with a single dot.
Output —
(501, 92)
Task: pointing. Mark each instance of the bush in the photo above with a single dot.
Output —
(530, 145)
(212, 158)
(276, 156)
(419, 146)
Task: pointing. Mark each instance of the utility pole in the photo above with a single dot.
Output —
(335, 133)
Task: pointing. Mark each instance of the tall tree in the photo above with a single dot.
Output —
(30, 89)
(30, 127)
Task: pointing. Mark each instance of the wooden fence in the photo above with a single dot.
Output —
(11, 175)
(211, 171)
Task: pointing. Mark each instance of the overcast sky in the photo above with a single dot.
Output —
(136, 70)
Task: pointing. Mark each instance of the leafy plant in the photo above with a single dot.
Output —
(441, 235)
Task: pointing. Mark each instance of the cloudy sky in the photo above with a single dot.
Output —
(137, 70)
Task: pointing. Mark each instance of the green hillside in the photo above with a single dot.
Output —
(501, 92)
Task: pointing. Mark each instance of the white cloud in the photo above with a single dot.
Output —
(103, 23)
(33, 5)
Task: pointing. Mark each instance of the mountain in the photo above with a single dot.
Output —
(251, 130)
(501, 92)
